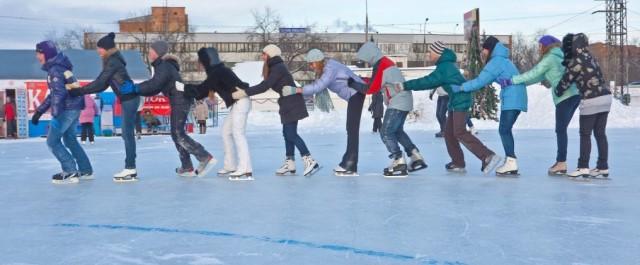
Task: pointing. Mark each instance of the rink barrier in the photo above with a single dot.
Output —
(288, 242)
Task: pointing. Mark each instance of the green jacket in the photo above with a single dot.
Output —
(445, 75)
(551, 69)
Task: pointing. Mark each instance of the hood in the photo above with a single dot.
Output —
(59, 60)
(556, 52)
(580, 43)
(370, 53)
(115, 54)
(448, 56)
(172, 59)
(208, 57)
(500, 51)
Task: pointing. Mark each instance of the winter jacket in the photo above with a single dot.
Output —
(59, 74)
(114, 73)
(445, 75)
(513, 97)
(9, 111)
(335, 77)
(90, 110)
(221, 80)
(202, 111)
(583, 70)
(550, 68)
(377, 106)
(166, 71)
(292, 107)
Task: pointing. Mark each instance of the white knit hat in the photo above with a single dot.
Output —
(314, 55)
(272, 50)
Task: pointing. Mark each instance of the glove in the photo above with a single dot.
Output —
(289, 90)
(239, 94)
(546, 83)
(456, 88)
(75, 92)
(505, 82)
(129, 88)
(36, 118)
(179, 86)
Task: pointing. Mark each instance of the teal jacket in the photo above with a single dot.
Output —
(500, 67)
(551, 69)
(445, 75)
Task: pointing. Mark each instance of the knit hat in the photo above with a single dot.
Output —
(272, 50)
(490, 43)
(160, 47)
(437, 47)
(107, 42)
(48, 48)
(314, 55)
(208, 56)
(547, 40)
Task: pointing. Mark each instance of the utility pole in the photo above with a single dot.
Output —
(617, 40)
(424, 40)
(366, 20)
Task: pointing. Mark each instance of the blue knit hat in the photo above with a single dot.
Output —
(48, 48)
(547, 40)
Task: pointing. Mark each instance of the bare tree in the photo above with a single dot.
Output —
(70, 38)
(524, 49)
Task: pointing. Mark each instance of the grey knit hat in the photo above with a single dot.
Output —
(161, 47)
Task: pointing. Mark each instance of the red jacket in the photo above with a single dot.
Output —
(378, 69)
(9, 112)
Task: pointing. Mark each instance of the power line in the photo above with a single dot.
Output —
(577, 15)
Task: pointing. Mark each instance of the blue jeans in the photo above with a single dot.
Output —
(129, 110)
(507, 119)
(293, 140)
(564, 113)
(392, 133)
(63, 128)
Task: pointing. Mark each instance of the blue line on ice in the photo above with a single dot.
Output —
(292, 242)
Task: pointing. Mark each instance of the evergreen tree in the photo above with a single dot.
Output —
(485, 104)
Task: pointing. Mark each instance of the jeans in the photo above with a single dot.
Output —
(87, 131)
(564, 113)
(392, 133)
(441, 111)
(185, 145)
(293, 140)
(596, 123)
(469, 122)
(129, 110)
(456, 133)
(507, 119)
(354, 113)
(234, 137)
(63, 128)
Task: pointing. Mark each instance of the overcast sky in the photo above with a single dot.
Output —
(25, 22)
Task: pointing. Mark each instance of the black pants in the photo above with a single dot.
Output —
(87, 131)
(441, 111)
(138, 123)
(354, 113)
(596, 123)
(202, 124)
(185, 145)
(377, 124)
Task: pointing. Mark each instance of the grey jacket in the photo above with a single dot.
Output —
(334, 77)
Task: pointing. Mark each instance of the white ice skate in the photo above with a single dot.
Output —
(417, 161)
(65, 178)
(580, 172)
(289, 167)
(86, 176)
(225, 172)
(241, 176)
(490, 163)
(599, 172)
(205, 166)
(310, 166)
(126, 175)
(397, 169)
(509, 168)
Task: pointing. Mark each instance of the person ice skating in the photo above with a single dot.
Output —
(151, 121)
(114, 74)
(10, 118)
(65, 111)
(441, 109)
(444, 76)
(399, 104)
(376, 107)
(292, 108)
(202, 114)
(166, 72)
(224, 82)
(513, 98)
(583, 70)
(550, 68)
(87, 115)
(332, 75)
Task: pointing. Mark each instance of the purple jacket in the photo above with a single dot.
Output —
(59, 99)
(90, 110)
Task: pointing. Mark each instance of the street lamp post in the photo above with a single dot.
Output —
(424, 40)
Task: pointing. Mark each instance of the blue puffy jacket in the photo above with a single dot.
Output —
(58, 75)
(335, 77)
(500, 67)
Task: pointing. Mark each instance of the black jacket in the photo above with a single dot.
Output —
(114, 73)
(581, 69)
(293, 107)
(166, 73)
(221, 80)
(377, 106)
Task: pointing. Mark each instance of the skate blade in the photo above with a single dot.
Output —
(421, 167)
(193, 175)
(243, 178)
(87, 178)
(510, 174)
(457, 171)
(342, 174)
(290, 173)
(313, 171)
(557, 174)
(65, 181)
(396, 176)
(125, 180)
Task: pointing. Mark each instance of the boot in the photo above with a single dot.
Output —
(509, 168)
(126, 175)
(490, 163)
(398, 168)
(417, 161)
(289, 166)
(599, 172)
(580, 172)
(310, 165)
(558, 169)
(241, 176)
(65, 178)
(205, 166)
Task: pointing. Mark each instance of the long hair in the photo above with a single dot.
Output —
(320, 69)
(265, 68)
(546, 49)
